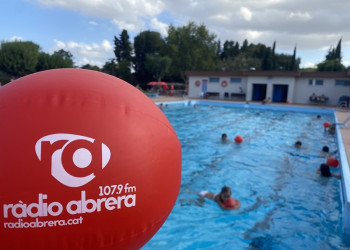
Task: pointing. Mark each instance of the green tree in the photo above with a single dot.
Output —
(59, 59)
(190, 47)
(91, 67)
(293, 63)
(334, 53)
(331, 65)
(239, 63)
(110, 67)
(62, 59)
(333, 60)
(244, 47)
(230, 49)
(122, 51)
(146, 43)
(18, 58)
(267, 62)
(273, 67)
(44, 62)
(123, 71)
(123, 47)
(218, 49)
(157, 65)
(338, 51)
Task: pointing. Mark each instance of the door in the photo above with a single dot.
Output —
(280, 93)
(259, 92)
(204, 87)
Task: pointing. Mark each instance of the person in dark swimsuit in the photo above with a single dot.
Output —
(324, 171)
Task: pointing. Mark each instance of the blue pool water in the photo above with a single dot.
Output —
(285, 204)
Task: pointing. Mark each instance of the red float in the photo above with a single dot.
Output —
(197, 83)
(332, 162)
(87, 162)
(238, 139)
(326, 124)
(230, 203)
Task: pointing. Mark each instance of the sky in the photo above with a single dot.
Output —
(86, 28)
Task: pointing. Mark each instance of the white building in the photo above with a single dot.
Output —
(280, 86)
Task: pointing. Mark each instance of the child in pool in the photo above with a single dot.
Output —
(324, 171)
(224, 139)
(224, 199)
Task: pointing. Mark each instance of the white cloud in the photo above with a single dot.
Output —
(161, 27)
(251, 35)
(312, 24)
(300, 16)
(246, 13)
(309, 65)
(15, 38)
(127, 26)
(106, 45)
(126, 14)
(93, 54)
(93, 23)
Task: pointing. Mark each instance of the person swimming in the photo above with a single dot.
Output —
(298, 144)
(224, 139)
(325, 171)
(325, 152)
(224, 199)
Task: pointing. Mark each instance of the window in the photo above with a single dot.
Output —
(235, 80)
(214, 79)
(342, 82)
(319, 82)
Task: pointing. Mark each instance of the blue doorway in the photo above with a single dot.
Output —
(280, 93)
(204, 87)
(259, 92)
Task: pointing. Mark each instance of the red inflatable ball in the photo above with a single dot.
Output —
(230, 203)
(332, 162)
(326, 124)
(238, 139)
(87, 162)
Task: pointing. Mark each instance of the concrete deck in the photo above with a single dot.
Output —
(344, 131)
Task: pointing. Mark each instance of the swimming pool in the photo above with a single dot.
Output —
(285, 204)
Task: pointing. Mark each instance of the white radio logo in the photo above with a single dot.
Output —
(74, 159)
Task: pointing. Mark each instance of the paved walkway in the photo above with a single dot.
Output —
(345, 131)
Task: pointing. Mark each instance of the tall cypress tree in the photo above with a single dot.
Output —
(274, 56)
(292, 61)
(337, 53)
(122, 47)
(122, 51)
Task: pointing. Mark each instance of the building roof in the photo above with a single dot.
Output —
(270, 73)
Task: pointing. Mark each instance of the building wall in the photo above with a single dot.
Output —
(303, 90)
(299, 88)
(196, 91)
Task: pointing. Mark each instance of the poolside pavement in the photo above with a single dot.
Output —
(342, 115)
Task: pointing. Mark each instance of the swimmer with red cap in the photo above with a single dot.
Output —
(224, 198)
